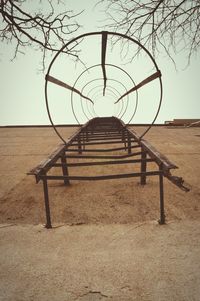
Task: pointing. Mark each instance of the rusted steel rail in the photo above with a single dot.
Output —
(104, 131)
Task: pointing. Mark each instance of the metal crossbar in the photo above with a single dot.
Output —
(109, 127)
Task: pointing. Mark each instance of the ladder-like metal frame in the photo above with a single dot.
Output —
(105, 131)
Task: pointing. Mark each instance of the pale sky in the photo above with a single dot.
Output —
(22, 85)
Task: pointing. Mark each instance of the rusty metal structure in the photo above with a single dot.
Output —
(101, 136)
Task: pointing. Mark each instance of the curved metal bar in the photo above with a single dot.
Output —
(141, 84)
(83, 109)
(114, 80)
(95, 95)
(49, 115)
(103, 58)
(122, 107)
(98, 94)
(101, 33)
(99, 90)
(94, 66)
(66, 86)
(87, 104)
(95, 114)
(161, 95)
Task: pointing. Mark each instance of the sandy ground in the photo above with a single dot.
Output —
(106, 243)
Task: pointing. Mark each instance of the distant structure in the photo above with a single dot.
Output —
(184, 122)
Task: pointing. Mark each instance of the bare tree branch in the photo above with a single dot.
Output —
(169, 25)
(47, 31)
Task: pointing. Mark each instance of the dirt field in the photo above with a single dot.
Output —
(106, 243)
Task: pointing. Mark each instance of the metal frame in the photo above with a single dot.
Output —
(104, 36)
(105, 131)
(134, 109)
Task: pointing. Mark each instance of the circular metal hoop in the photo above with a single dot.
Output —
(122, 112)
(110, 65)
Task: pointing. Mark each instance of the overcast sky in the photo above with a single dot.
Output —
(22, 84)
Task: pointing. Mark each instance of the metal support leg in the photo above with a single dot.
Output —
(79, 145)
(84, 139)
(123, 137)
(162, 210)
(47, 208)
(129, 144)
(143, 167)
(65, 169)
